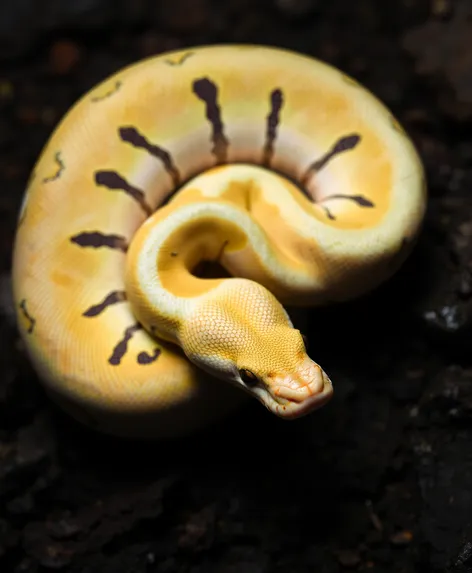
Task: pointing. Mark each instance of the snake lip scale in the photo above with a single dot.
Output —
(275, 168)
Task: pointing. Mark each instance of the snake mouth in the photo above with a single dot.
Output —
(292, 399)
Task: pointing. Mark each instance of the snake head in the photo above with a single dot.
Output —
(243, 335)
(290, 393)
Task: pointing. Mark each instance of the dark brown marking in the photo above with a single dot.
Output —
(60, 168)
(343, 144)
(328, 213)
(122, 347)
(178, 62)
(96, 240)
(113, 180)
(359, 199)
(207, 91)
(107, 94)
(112, 298)
(145, 358)
(131, 135)
(273, 119)
(27, 315)
(174, 254)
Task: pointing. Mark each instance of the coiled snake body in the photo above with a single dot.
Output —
(282, 169)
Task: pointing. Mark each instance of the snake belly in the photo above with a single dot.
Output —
(280, 167)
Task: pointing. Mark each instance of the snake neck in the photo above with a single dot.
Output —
(167, 255)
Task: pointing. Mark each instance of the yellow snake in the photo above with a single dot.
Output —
(281, 169)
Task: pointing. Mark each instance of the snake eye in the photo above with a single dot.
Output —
(248, 377)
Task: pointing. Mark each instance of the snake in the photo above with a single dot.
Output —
(176, 214)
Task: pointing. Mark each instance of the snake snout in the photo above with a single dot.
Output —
(299, 394)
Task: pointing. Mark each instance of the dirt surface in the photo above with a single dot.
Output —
(380, 479)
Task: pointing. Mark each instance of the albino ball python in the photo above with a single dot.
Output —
(281, 169)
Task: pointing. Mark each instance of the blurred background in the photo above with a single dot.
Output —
(380, 479)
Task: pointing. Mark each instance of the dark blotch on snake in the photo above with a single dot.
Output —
(330, 215)
(107, 94)
(207, 91)
(60, 168)
(95, 240)
(110, 299)
(145, 358)
(27, 315)
(178, 62)
(131, 135)
(122, 347)
(343, 144)
(273, 119)
(359, 199)
(115, 182)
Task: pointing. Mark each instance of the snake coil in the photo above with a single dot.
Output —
(291, 176)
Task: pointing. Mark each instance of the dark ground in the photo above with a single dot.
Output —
(380, 479)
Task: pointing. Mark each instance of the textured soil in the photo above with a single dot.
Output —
(379, 480)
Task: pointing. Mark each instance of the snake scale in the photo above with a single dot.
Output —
(175, 212)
